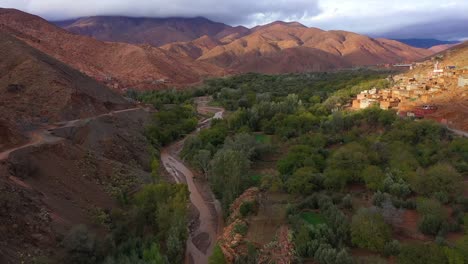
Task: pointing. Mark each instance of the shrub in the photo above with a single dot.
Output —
(373, 177)
(392, 248)
(241, 229)
(421, 254)
(247, 208)
(369, 230)
(217, 257)
(80, 245)
(433, 216)
(430, 224)
(440, 178)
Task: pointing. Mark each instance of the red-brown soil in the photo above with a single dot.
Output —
(118, 65)
(36, 88)
(57, 181)
(198, 48)
(193, 49)
(282, 47)
(153, 31)
(440, 48)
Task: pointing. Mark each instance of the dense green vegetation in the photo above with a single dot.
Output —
(402, 165)
(353, 174)
(150, 228)
(170, 124)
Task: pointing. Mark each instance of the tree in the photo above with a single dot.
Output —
(440, 178)
(242, 142)
(369, 230)
(304, 181)
(345, 165)
(301, 241)
(433, 215)
(373, 177)
(343, 257)
(217, 257)
(152, 255)
(155, 170)
(202, 160)
(421, 254)
(300, 156)
(453, 256)
(228, 172)
(80, 245)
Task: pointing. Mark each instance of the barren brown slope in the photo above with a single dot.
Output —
(337, 48)
(119, 65)
(228, 35)
(36, 88)
(440, 48)
(154, 31)
(193, 49)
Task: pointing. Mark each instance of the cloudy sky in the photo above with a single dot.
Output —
(443, 19)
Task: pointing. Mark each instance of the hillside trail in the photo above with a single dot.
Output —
(43, 135)
(209, 224)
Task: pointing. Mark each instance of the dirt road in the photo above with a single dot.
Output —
(202, 239)
(43, 135)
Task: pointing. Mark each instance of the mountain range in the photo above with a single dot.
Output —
(153, 53)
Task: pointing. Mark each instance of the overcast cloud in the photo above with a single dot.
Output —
(446, 19)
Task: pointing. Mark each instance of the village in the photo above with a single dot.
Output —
(413, 96)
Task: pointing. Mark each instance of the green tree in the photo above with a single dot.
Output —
(373, 177)
(346, 165)
(304, 181)
(80, 245)
(202, 160)
(440, 178)
(433, 215)
(453, 256)
(369, 230)
(421, 254)
(217, 257)
(228, 172)
(155, 170)
(152, 255)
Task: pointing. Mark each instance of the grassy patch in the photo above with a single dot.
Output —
(313, 218)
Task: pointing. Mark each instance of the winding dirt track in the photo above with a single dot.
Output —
(43, 135)
(202, 239)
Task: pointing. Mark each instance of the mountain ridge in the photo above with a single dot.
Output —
(118, 65)
(277, 47)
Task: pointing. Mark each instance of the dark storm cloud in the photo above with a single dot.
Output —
(231, 12)
(450, 29)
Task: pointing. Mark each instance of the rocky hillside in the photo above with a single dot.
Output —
(118, 65)
(69, 147)
(279, 47)
(74, 176)
(154, 31)
(291, 47)
(36, 88)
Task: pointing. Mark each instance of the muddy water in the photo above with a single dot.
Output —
(203, 237)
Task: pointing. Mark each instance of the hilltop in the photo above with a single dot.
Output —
(119, 65)
(278, 47)
(153, 31)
